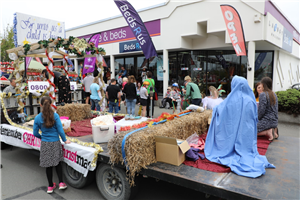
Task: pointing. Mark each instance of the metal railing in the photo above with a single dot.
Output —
(32, 105)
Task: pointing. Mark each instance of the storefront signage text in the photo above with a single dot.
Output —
(129, 46)
(277, 34)
(124, 33)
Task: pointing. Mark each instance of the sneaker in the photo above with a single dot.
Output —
(62, 186)
(137, 117)
(127, 117)
(131, 117)
(50, 189)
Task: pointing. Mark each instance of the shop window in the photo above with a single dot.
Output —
(156, 67)
(263, 66)
(129, 66)
(173, 70)
(119, 62)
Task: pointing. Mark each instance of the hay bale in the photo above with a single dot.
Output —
(140, 146)
(76, 112)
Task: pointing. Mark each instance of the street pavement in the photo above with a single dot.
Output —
(22, 178)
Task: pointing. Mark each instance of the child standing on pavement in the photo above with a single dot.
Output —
(51, 153)
(144, 97)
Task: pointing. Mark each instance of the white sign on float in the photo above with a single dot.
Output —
(73, 85)
(31, 29)
(40, 86)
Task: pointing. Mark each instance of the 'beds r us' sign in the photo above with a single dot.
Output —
(235, 29)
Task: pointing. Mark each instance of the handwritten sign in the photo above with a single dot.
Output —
(73, 85)
(31, 29)
(41, 86)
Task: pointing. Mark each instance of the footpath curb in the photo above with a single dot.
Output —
(285, 118)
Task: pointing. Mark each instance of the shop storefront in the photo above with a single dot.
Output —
(197, 44)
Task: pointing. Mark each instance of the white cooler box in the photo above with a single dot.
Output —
(103, 133)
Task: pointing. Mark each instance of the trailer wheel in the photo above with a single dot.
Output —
(112, 183)
(4, 145)
(76, 179)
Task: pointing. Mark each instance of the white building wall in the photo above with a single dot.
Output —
(199, 24)
(286, 70)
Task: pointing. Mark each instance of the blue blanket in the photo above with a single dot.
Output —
(232, 136)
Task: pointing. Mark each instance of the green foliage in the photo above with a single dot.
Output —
(7, 42)
(289, 101)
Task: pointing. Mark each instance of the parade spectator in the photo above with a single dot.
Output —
(124, 82)
(267, 111)
(167, 98)
(130, 92)
(51, 153)
(123, 72)
(138, 90)
(113, 94)
(193, 91)
(144, 74)
(257, 90)
(144, 97)
(95, 98)
(11, 88)
(175, 96)
(87, 82)
(149, 89)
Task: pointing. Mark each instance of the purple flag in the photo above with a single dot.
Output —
(137, 27)
(89, 63)
(28, 60)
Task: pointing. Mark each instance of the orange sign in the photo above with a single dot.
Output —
(235, 29)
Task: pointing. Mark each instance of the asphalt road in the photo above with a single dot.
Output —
(22, 178)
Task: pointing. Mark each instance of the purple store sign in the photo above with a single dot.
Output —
(124, 33)
(269, 7)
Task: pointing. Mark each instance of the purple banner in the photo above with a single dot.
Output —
(89, 63)
(137, 27)
(28, 60)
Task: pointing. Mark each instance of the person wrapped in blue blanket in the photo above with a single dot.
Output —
(232, 136)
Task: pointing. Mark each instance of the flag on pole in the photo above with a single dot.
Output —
(89, 63)
(235, 29)
(28, 60)
(137, 27)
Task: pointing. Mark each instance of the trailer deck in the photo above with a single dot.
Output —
(279, 183)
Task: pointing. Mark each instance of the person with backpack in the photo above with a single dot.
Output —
(150, 89)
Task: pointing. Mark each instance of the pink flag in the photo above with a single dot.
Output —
(27, 61)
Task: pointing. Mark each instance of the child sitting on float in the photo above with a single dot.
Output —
(213, 100)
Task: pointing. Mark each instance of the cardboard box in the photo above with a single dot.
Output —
(102, 134)
(171, 150)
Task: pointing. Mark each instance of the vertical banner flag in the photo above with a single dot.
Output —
(235, 29)
(137, 27)
(28, 60)
(259, 60)
(89, 63)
